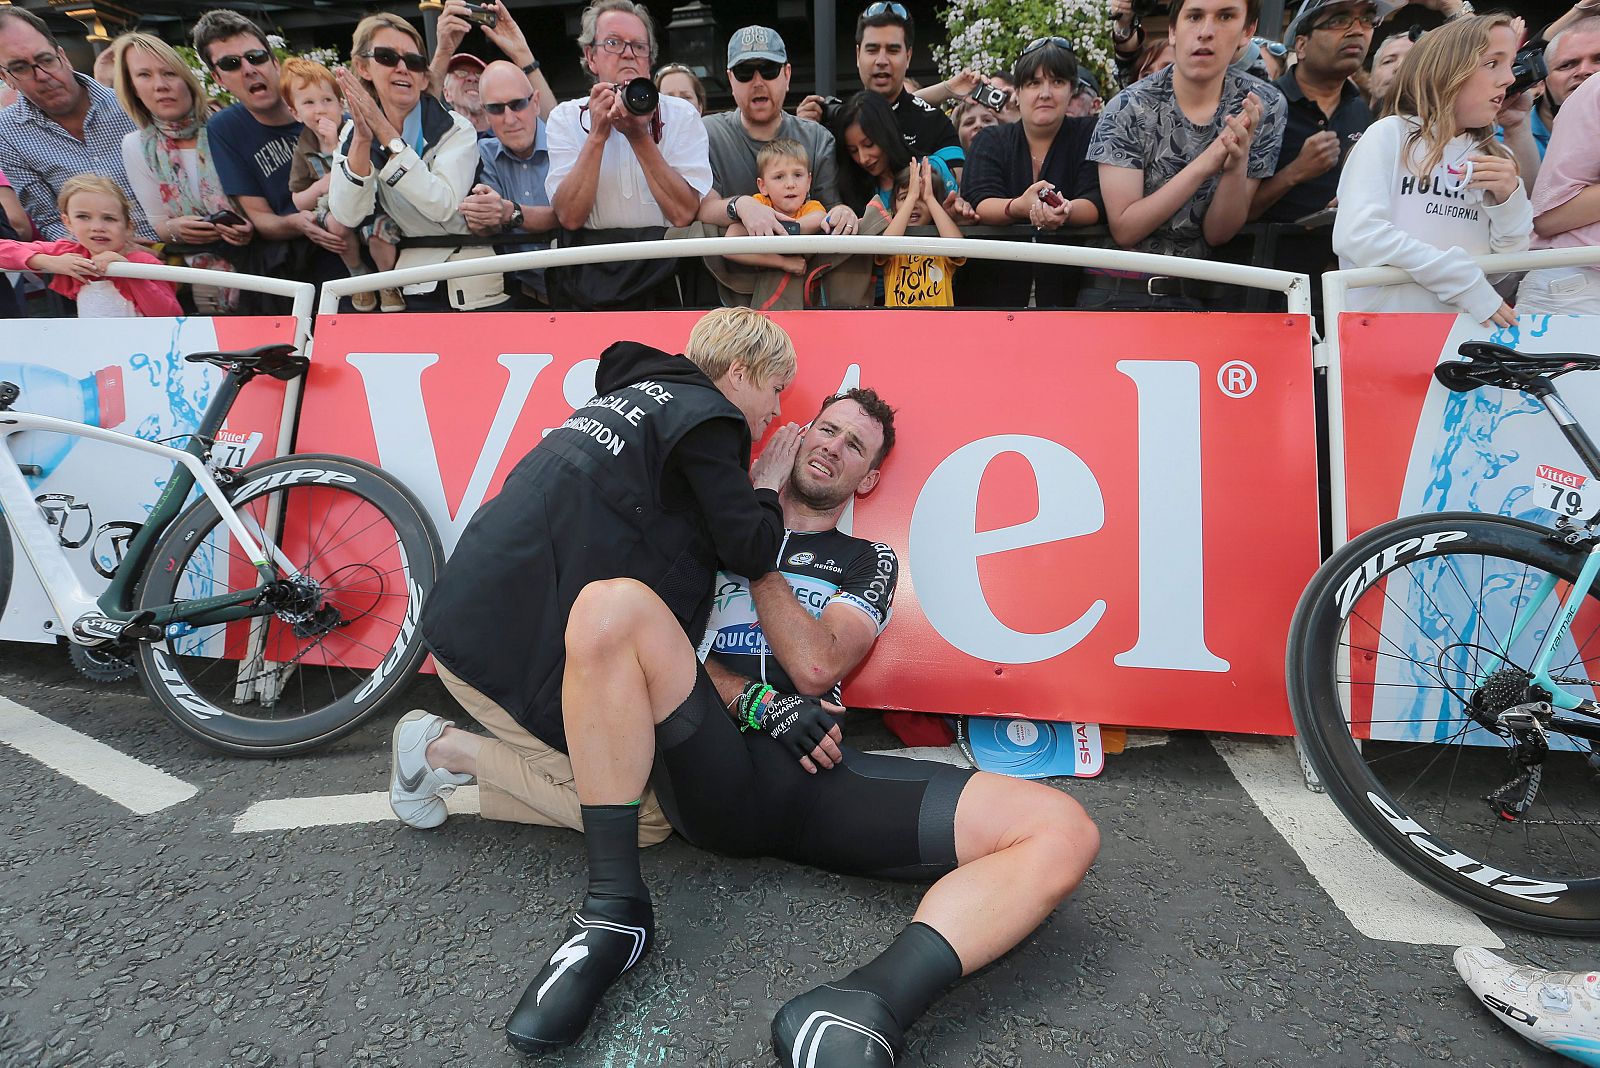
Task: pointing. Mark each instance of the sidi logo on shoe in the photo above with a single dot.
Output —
(1509, 1010)
(570, 953)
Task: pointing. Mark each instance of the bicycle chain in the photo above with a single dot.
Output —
(1574, 681)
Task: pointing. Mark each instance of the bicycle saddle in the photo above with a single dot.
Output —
(1488, 364)
(279, 360)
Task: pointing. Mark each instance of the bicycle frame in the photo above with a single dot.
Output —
(66, 593)
(1584, 446)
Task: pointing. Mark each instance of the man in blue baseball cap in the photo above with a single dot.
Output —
(758, 74)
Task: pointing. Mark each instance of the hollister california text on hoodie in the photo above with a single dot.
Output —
(1428, 226)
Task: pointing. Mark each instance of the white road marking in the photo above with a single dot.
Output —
(131, 783)
(333, 810)
(1380, 900)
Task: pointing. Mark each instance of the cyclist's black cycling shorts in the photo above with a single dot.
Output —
(745, 795)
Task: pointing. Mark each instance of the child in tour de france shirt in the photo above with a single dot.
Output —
(1428, 186)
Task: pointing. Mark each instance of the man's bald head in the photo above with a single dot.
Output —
(502, 88)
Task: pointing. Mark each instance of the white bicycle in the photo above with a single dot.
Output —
(269, 616)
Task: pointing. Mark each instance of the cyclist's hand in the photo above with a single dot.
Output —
(1506, 315)
(805, 729)
(771, 470)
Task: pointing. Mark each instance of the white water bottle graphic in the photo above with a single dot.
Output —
(97, 400)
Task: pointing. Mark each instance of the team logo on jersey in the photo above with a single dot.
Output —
(802, 559)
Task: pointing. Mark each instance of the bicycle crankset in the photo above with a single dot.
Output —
(102, 663)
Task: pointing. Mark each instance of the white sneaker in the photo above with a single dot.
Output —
(1557, 1010)
(416, 790)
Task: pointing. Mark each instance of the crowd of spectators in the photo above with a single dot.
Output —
(1439, 142)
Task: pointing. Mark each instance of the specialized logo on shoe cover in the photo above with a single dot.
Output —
(572, 950)
(570, 953)
(808, 1040)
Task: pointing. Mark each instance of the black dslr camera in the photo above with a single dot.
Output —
(640, 96)
(1527, 69)
(830, 110)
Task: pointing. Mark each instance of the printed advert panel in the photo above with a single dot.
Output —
(127, 375)
(1098, 518)
(1414, 447)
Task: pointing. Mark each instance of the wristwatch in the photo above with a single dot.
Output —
(516, 217)
(396, 146)
(533, 65)
(733, 208)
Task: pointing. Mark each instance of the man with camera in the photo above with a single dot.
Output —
(758, 73)
(625, 161)
(1572, 55)
(459, 17)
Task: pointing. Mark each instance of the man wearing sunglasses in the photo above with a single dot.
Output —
(510, 196)
(884, 35)
(1326, 116)
(253, 141)
(65, 124)
(758, 73)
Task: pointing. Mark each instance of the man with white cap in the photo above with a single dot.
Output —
(758, 73)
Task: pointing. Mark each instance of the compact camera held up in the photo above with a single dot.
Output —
(990, 96)
(483, 14)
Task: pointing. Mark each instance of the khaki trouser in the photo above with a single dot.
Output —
(522, 780)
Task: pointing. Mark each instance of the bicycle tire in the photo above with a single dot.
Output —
(1369, 650)
(333, 657)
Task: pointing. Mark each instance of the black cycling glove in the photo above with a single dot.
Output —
(800, 723)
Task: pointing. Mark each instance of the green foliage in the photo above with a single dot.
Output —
(988, 35)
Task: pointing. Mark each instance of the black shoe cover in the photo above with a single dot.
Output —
(837, 1029)
(606, 938)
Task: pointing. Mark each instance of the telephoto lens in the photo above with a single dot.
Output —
(640, 96)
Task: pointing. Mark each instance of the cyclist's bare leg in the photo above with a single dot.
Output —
(629, 667)
(1022, 848)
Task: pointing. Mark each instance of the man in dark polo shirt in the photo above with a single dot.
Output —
(1326, 116)
(884, 35)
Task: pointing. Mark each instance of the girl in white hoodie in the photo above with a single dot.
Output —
(1428, 186)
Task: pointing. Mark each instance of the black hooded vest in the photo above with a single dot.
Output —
(584, 505)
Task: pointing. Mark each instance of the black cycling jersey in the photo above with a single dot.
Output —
(824, 567)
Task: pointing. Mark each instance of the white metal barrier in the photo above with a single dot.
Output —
(1296, 287)
(301, 294)
(1336, 286)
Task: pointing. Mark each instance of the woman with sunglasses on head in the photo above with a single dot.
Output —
(677, 80)
(169, 163)
(404, 154)
(1033, 172)
(1428, 186)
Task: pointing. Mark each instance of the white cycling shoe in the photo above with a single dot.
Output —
(416, 789)
(1557, 1010)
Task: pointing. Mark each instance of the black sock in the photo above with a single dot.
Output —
(916, 969)
(611, 834)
